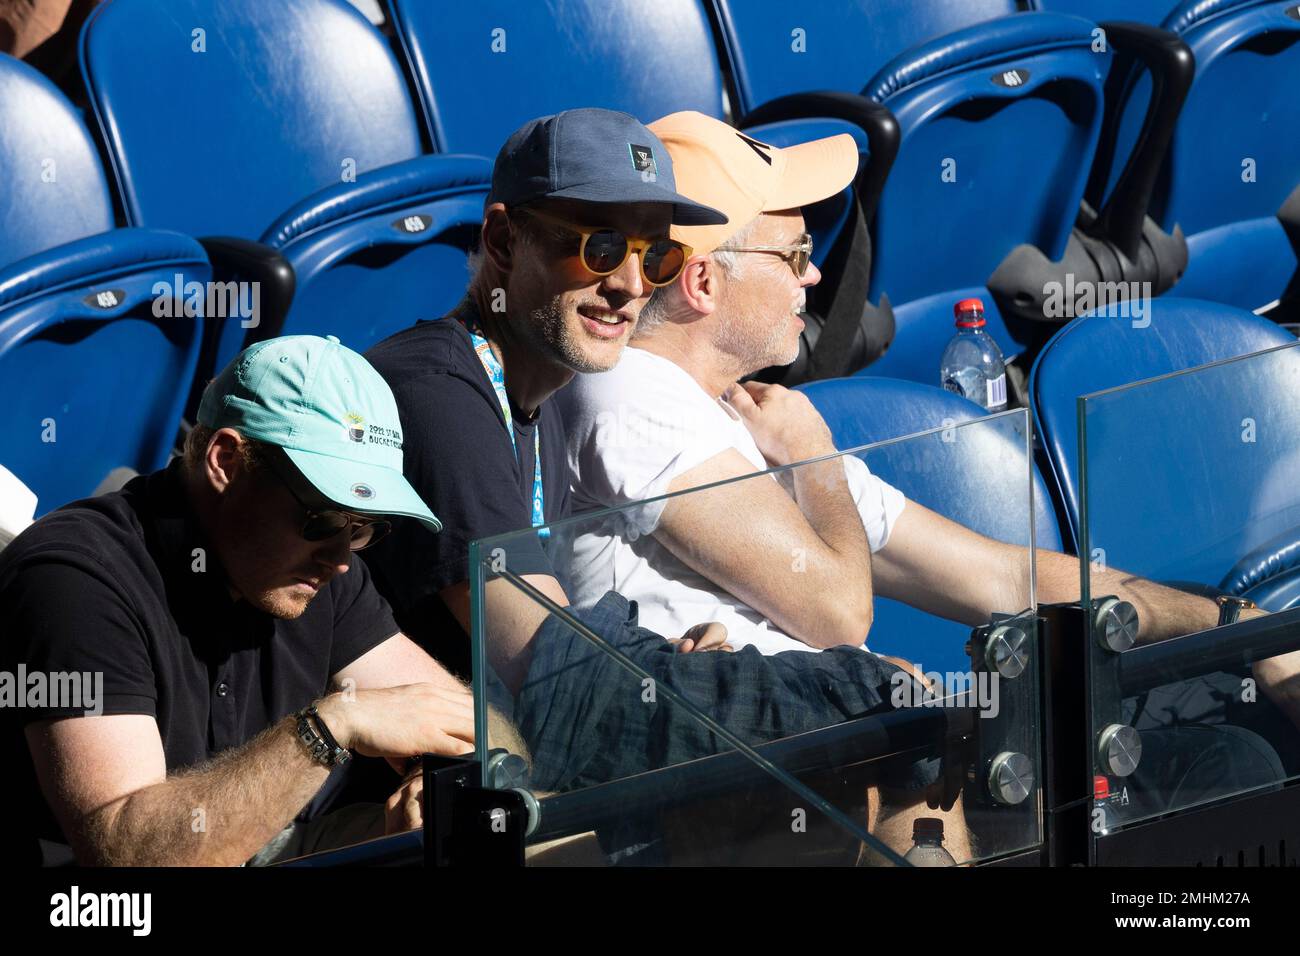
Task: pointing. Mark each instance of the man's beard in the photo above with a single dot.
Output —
(556, 338)
(736, 339)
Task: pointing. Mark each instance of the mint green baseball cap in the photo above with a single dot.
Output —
(331, 412)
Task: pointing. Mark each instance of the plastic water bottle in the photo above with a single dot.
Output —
(927, 844)
(972, 363)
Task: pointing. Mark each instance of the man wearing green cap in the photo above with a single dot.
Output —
(228, 650)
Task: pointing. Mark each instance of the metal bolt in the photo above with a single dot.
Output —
(1116, 625)
(1119, 749)
(506, 771)
(534, 810)
(1011, 778)
(1007, 650)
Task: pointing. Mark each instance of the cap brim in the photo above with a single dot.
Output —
(814, 171)
(686, 212)
(361, 488)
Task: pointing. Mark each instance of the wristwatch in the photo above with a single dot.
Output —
(320, 743)
(1230, 608)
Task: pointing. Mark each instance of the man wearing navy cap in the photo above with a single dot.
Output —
(228, 650)
(574, 239)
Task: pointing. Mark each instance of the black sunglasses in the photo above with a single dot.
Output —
(321, 524)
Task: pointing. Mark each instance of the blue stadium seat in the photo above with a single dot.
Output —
(1231, 177)
(483, 69)
(55, 189)
(1150, 12)
(1016, 152)
(289, 124)
(1106, 350)
(863, 410)
(94, 375)
(96, 379)
(778, 48)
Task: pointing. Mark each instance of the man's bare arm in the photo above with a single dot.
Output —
(105, 777)
(944, 568)
(802, 562)
(514, 618)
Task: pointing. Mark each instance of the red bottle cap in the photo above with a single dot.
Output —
(973, 309)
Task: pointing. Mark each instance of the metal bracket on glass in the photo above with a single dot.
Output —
(1003, 662)
(469, 825)
(1119, 749)
(1115, 624)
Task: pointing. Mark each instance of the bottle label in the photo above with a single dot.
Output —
(996, 390)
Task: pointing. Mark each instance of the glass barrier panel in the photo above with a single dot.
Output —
(1190, 513)
(636, 747)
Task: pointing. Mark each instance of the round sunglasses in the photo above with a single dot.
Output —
(603, 251)
(321, 524)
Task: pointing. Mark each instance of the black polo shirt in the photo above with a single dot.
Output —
(458, 456)
(114, 586)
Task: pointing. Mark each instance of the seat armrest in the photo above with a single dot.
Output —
(1170, 62)
(243, 260)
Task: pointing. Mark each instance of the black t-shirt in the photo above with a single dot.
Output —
(113, 586)
(458, 456)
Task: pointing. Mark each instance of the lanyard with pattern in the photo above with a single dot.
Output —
(497, 375)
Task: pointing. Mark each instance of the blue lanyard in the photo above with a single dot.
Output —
(497, 375)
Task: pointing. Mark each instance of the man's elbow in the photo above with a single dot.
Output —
(847, 625)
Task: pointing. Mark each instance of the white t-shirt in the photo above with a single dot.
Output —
(631, 431)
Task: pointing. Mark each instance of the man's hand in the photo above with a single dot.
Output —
(785, 425)
(703, 637)
(402, 721)
(911, 669)
(404, 810)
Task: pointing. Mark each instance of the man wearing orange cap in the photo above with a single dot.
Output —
(675, 389)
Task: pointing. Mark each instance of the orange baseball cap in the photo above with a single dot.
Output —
(742, 177)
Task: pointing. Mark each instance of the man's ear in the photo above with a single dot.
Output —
(699, 284)
(496, 237)
(222, 461)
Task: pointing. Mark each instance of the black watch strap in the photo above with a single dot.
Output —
(320, 743)
(1230, 608)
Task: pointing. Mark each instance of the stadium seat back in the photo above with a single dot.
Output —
(1150, 12)
(220, 113)
(999, 123)
(977, 479)
(55, 189)
(483, 69)
(311, 144)
(97, 354)
(1020, 149)
(1231, 178)
(1113, 348)
(776, 48)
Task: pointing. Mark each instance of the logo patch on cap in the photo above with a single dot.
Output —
(364, 492)
(355, 426)
(762, 149)
(643, 158)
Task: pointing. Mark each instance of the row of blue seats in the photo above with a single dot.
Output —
(215, 116)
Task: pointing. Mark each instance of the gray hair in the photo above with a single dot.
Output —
(661, 305)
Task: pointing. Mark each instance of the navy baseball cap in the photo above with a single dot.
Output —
(596, 156)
